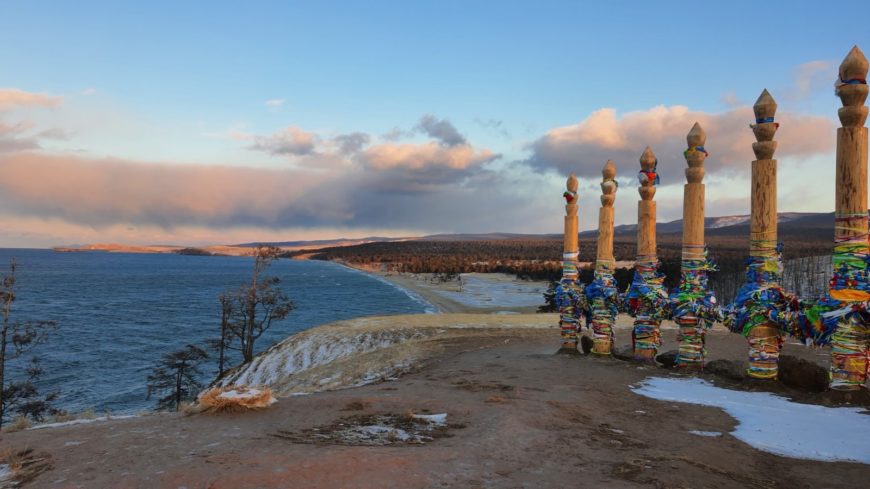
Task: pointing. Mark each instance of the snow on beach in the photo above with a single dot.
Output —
(81, 421)
(774, 424)
(483, 290)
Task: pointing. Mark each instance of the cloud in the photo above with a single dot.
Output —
(730, 99)
(331, 183)
(54, 133)
(110, 191)
(585, 147)
(396, 134)
(420, 167)
(391, 199)
(13, 138)
(11, 98)
(28, 232)
(440, 129)
(351, 143)
(495, 125)
(275, 103)
(418, 156)
(288, 141)
(811, 76)
(89, 91)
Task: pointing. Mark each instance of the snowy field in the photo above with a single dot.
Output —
(774, 424)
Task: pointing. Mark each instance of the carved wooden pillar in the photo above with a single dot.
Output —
(762, 292)
(567, 290)
(601, 293)
(849, 284)
(647, 298)
(694, 307)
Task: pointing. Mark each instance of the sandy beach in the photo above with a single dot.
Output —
(477, 292)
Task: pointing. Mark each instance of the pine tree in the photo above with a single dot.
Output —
(176, 377)
(22, 396)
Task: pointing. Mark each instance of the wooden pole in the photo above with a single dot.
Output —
(605, 215)
(690, 298)
(648, 298)
(567, 288)
(646, 207)
(849, 285)
(765, 265)
(602, 293)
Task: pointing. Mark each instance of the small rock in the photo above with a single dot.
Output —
(802, 374)
(568, 351)
(860, 397)
(586, 344)
(729, 369)
(668, 359)
(624, 352)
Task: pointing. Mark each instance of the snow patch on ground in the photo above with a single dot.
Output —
(483, 292)
(438, 419)
(233, 394)
(725, 221)
(361, 351)
(706, 433)
(80, 421)
(313, 350)
(774, 424)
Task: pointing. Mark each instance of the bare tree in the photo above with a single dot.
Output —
(21, 396)
(223, 343)
(257, 305)
(177, 376)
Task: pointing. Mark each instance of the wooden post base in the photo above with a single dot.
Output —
(646, 355)
(602, 346)
(691, 352)
(568, 348)
(765, 343)
(849, 360)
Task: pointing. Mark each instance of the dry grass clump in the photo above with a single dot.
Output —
(357, 406)
(236, 398)
(22, 466)
(17, 424)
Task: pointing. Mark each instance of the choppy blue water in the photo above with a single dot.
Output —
(118, 313)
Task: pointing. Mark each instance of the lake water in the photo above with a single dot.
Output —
(119, 313)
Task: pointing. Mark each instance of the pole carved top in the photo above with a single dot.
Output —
(764, 127)
(695, 154)
(608, 184)
(648, 176)
(571, 195)
(852, 89)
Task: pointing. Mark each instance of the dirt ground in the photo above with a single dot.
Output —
(518, 416)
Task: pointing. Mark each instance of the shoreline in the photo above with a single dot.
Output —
(418, 285)
(423, 298)
(440, 304)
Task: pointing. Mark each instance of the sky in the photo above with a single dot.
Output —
(213, 122)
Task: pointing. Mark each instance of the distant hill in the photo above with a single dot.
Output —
(730, 225)
(485, 237)
(800, 225)
(790, 223)
(322, 242)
